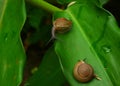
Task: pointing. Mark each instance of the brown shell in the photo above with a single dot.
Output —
(83, 72)
(62, 25)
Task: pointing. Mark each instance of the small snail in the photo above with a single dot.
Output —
(60, 25)
(84, 72)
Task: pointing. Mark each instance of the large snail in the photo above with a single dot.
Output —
(60, 25)
(84, 72)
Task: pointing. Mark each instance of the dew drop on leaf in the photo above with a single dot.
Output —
(106, 49)
(5, 37)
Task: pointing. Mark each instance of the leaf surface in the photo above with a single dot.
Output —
(49, 72)
(95, 36)
(12, 56)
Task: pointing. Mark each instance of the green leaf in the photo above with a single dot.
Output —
(64, 1)
(98, 2)
(42, 35)
(95, 36)
(34, 25)
(35, 16)
(49, 72)
(102, 2)
(12, 56)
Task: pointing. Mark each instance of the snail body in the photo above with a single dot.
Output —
(83, 72)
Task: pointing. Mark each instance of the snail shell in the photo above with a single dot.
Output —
(62, 25)
(83, 72)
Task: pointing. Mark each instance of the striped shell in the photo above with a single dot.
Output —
(83, 72)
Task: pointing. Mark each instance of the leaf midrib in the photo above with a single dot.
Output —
(3, 11)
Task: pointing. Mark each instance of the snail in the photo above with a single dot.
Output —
(84, 72)
(60, 25)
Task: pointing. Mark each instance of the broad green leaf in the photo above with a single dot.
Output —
(49, 72)
(95, 36)
(12, 56)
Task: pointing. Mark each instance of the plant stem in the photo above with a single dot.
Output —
(45, 5)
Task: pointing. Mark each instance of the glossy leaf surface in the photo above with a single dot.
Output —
(12, 56)
(95, 36)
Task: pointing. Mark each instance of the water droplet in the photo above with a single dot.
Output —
(6, 37)
(106, 49)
